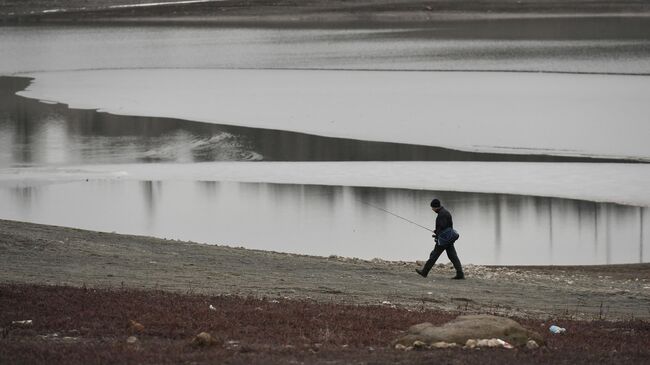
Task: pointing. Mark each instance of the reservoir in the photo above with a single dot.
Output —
(150, 163)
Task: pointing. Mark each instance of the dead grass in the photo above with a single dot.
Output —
(84, 325)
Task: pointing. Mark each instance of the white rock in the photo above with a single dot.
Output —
(531, 345)
(494, 342)
(419, 344)
(443, 345)
(482, 343)
(471, 343)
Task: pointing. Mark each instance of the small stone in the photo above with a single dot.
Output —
(132, 340)
(443, 345)
(135, 326)
(419, 345)
(493, 342)
(399, 346)
(531, 345)
(204, 339)
(471, 343)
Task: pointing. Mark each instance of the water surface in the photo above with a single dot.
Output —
(345, 221)
(312, 219)
(567, 44)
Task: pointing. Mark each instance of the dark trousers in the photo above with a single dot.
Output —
(437, 251)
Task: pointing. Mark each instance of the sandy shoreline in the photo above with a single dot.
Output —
(41, 254)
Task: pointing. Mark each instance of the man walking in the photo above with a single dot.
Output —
(443, 221)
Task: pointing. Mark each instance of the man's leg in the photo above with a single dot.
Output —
(433, 257)
(453, 257)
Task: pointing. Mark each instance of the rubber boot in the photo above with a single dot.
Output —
(459, 276)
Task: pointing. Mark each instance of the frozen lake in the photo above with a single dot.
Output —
(534, 166)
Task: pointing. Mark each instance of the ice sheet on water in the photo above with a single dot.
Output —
(560, 114)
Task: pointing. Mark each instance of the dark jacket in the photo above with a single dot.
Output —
(443, 220)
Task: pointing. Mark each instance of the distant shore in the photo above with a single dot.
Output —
(309, 13)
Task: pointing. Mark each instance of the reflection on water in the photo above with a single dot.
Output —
(326, 220)
(36, 133)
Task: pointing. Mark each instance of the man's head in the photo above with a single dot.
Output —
(435, 205)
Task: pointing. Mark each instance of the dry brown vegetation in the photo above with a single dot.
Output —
(83, 325)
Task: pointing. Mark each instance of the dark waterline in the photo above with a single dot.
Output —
(36, 133)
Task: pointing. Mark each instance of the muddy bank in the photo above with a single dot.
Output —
(43, 254)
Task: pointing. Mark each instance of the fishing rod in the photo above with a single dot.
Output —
(396, 215)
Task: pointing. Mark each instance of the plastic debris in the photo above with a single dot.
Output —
(25, 323)
(555, 329)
